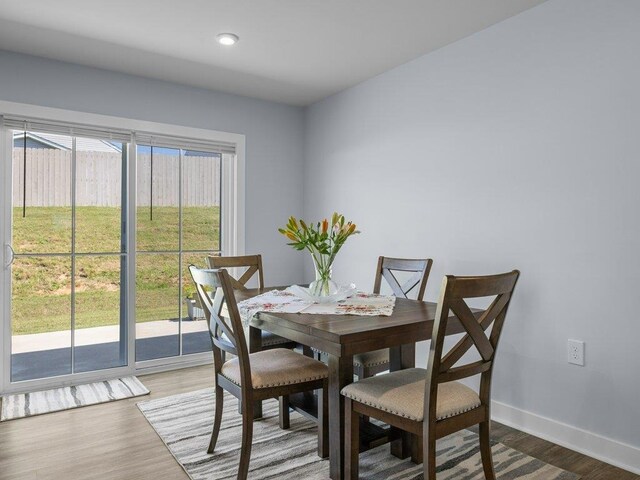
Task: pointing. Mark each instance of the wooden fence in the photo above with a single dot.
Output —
(99, 179)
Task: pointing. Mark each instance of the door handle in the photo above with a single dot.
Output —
(12, 255)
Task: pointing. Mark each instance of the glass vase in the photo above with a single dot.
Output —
(322, 286)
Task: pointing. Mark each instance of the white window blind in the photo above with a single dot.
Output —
(117, 135)
(44, 126)
(143, 138)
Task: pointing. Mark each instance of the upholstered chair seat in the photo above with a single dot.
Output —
(276, 367)
(371, 359)
(402, 393)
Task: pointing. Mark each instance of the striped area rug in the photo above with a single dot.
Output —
(184, 423)
(54, 400)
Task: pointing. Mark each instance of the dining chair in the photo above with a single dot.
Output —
(371, 363)
(432, 403)
(253, 266)
(258, 376)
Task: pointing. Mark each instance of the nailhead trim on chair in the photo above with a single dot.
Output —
(319, 377)
(355, 363)
(460, 412)
(371, 364)
(378, 407)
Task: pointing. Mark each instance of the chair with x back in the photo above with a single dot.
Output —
(432, 403)
(252, 377)
(253, 265)
(370, 363)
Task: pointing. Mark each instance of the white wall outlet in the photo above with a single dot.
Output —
(576, 352)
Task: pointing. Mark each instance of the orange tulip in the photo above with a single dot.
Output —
(325, 225)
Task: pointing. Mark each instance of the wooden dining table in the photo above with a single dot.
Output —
(341, 337)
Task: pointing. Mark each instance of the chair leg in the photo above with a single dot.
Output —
(257, 409)
(217, 419)
(351, 441)
(429, 453)
(323, 421)
(247, 439)
(485, 450)
(284, 412)
(416, 449)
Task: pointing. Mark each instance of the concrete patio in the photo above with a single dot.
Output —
(49, 354)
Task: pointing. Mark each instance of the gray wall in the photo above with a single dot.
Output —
(274, 135)
(515, 147)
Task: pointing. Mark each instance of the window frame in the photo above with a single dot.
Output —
(232, 226)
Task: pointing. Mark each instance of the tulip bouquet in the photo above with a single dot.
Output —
(323, 240)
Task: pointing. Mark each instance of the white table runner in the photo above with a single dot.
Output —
(284, 301)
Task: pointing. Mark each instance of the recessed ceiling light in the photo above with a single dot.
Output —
(227, 39)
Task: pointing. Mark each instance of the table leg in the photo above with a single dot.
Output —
(400, 358)
(340, 375)
(255, 345)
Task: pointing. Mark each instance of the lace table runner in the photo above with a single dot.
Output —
(284, 301)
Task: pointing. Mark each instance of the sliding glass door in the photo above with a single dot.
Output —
(98, 231)
(68, 303)
(69, 255)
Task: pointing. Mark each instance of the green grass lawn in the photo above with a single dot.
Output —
(41, 300)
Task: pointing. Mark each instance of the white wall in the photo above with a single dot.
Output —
(274, 135)
(517, 147)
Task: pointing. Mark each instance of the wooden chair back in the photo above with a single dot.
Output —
(252, 263)
(455, 290)
(215, 290)
(388, 265)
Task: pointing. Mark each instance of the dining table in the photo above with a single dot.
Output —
(341, 337)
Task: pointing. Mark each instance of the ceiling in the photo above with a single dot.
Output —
(291, 51)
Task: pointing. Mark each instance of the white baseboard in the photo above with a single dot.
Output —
(602, 448)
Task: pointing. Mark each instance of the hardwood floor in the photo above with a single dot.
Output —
(114, 441)
(589, 468)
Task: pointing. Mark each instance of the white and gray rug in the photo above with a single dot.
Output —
(184, 423)
(54, 400)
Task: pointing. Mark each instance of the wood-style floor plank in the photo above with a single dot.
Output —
(113, 441)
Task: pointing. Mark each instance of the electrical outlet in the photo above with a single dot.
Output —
(576, 352)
